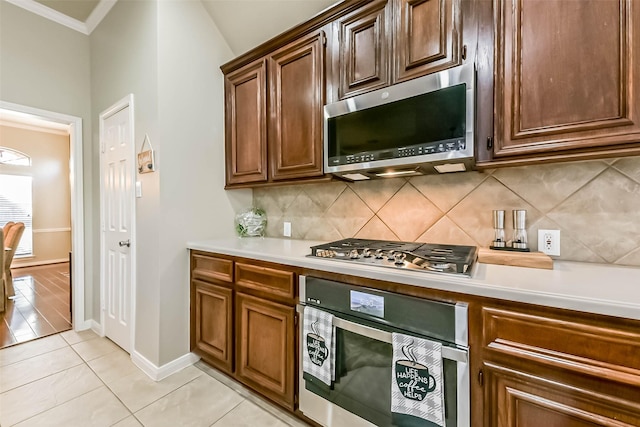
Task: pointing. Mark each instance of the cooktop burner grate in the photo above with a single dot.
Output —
(451, 259)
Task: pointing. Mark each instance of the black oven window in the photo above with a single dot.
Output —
(363, 382)
(431, 117)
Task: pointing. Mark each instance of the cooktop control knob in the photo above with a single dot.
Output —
(366, 252)
(390, 255)
(379, 253)
(399, 258)
(354, 254)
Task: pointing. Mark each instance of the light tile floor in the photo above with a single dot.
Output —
(81, 379)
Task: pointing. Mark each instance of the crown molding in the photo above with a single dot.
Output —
(98, 14)
(85, 28)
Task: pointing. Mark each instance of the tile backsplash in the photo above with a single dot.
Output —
(595, 204)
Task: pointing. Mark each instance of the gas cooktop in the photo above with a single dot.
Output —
(450, 259)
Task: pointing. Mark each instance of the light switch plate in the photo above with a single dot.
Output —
(549, 242)
(138, 189)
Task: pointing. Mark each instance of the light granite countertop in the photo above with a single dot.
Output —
(593, 288)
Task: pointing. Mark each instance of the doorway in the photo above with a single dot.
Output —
(117, 222)
(77, 199)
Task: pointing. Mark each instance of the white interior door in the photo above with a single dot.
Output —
(117, 214)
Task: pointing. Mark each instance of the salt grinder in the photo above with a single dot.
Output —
(519, 229)
(498, 229)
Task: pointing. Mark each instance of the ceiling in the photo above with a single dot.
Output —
(243, 23)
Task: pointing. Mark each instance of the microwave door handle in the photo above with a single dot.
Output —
(450, 353)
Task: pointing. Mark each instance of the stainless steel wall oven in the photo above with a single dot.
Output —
(361, 392)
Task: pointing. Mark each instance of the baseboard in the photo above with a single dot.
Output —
(88, 324)
(158, 373)
(16, 264)
(96, 327)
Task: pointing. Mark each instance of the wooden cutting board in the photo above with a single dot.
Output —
(518, 259)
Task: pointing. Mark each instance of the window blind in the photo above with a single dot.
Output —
(16, 206)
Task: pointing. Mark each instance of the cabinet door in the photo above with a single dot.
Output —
(364, 42)
(427, 37)
(265, 352)
(518, 399)
(297, 89)
(565, 73)
(246, 124)
(211, 324)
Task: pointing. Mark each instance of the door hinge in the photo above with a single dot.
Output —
(481, 377)
(489, 143)
(295, 320)
(102, 147)
(464, 52)
(324, 40)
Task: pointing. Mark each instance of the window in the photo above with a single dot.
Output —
(16, 206)
(13, 157)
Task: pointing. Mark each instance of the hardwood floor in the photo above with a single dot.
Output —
(41, 305)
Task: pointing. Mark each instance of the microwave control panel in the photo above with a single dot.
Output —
(458, 144)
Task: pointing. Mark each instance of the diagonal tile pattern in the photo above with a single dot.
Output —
(608, 200)
(408, 214)
(109, 390)
(595, 204)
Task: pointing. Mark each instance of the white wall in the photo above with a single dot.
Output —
(46, 65)
(168, 55)
(124, 60)
(193, 202)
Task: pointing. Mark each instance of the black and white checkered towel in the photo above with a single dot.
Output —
(319, 345)
(417, 381)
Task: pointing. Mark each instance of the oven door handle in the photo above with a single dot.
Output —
(450, 353)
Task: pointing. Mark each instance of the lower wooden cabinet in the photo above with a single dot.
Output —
(243, 322)
(213, 326)
(557, 368)
(530, 365)
(265, 347)
(523, 399)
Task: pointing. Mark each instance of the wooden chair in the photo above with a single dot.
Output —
(6, 229)
(2, 295)
(11, 240)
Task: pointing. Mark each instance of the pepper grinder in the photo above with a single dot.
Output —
(498, 230)
(519, 230)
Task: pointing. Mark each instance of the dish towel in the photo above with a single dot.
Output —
(319, 353)
(417, 382)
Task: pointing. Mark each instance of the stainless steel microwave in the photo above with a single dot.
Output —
(421, 126)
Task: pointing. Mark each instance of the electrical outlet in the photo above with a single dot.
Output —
(549, 242)
(287, 229)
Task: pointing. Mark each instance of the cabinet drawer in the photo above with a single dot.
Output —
(265, 279)
(593, 348)
(211, 268)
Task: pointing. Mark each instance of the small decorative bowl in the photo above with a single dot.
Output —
(251, 222)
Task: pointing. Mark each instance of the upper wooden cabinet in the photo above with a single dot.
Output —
(246, 124)
(296, 83)
(427, 37)
(279, 139)
(363, 61)
(388, 41)
(566, 75)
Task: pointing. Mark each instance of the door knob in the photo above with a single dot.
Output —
(126, 243)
